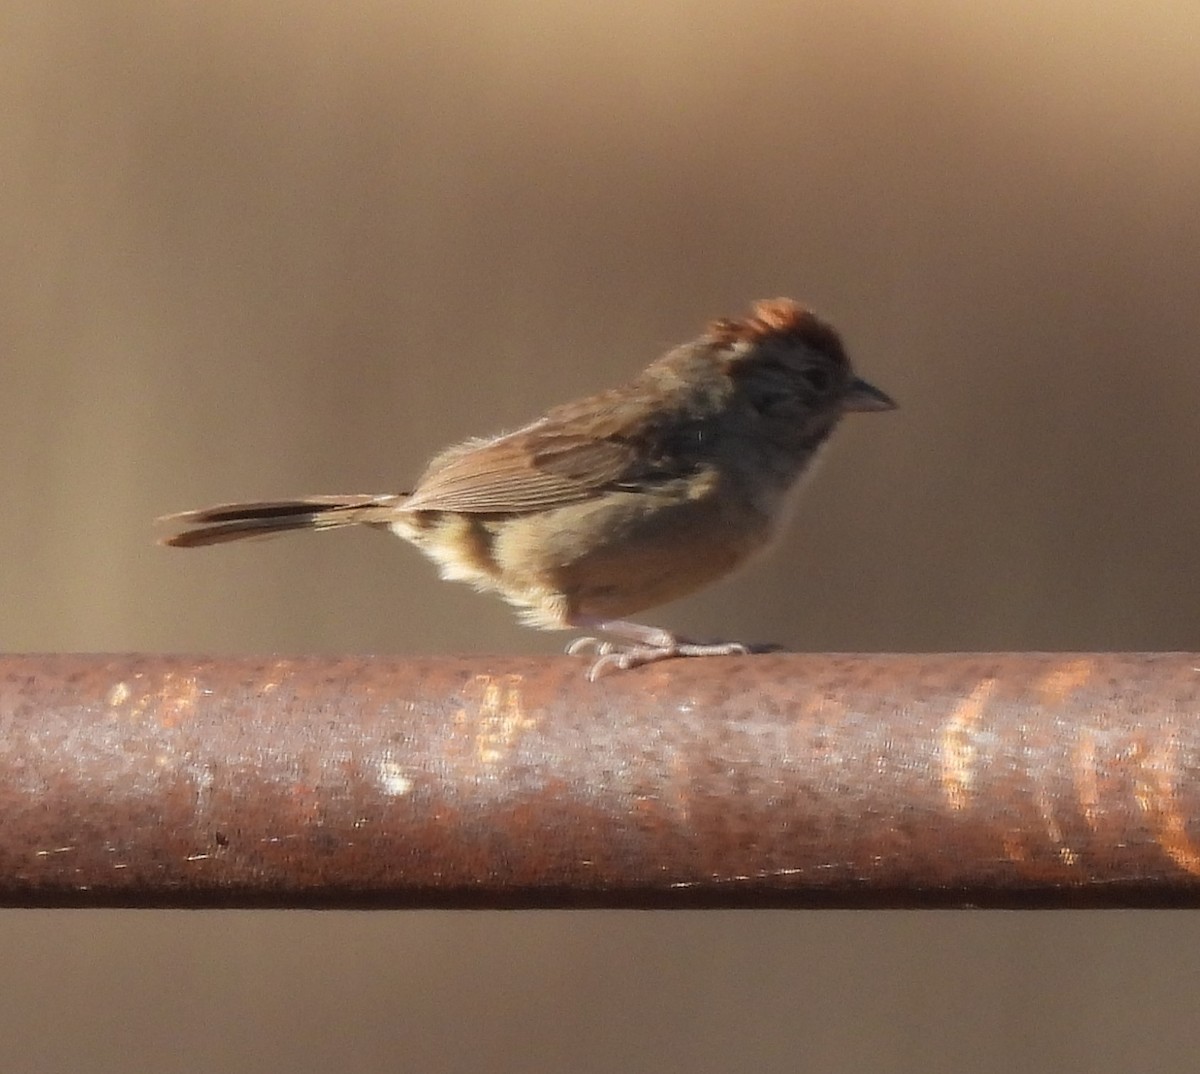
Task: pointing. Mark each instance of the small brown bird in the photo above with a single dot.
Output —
(620, 501)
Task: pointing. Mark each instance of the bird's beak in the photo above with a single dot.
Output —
(863, 396)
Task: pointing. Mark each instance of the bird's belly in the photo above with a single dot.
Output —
(626, 552)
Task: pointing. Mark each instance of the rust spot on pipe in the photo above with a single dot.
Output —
(774, 780)
(1058, 683)
(1159, 797)
(959, 752)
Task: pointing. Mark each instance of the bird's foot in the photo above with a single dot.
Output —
(622, 658)
(641, 645)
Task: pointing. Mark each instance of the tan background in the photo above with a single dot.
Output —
(254, 249)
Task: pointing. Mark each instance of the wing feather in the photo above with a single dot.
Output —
(612, 439)
(530, 470)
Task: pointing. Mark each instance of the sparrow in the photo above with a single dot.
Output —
(619, 501)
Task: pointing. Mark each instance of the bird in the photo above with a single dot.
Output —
(619, 501)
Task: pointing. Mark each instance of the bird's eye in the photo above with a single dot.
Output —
(817, 378)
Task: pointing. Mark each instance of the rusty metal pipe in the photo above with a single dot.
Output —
(778, 780)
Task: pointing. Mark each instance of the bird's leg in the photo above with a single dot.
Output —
(638, 644)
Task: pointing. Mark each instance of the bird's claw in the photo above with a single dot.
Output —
(597, 645)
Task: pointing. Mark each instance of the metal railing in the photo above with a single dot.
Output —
(781, 780)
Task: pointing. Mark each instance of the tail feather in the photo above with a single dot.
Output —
(236, 521)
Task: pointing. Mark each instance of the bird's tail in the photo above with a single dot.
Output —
(235, 521)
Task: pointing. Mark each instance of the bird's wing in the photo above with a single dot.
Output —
(529, 470)
(575, 452)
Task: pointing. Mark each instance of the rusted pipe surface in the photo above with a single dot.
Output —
(776, 780)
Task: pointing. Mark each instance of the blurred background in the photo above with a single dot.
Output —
(252, 250)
